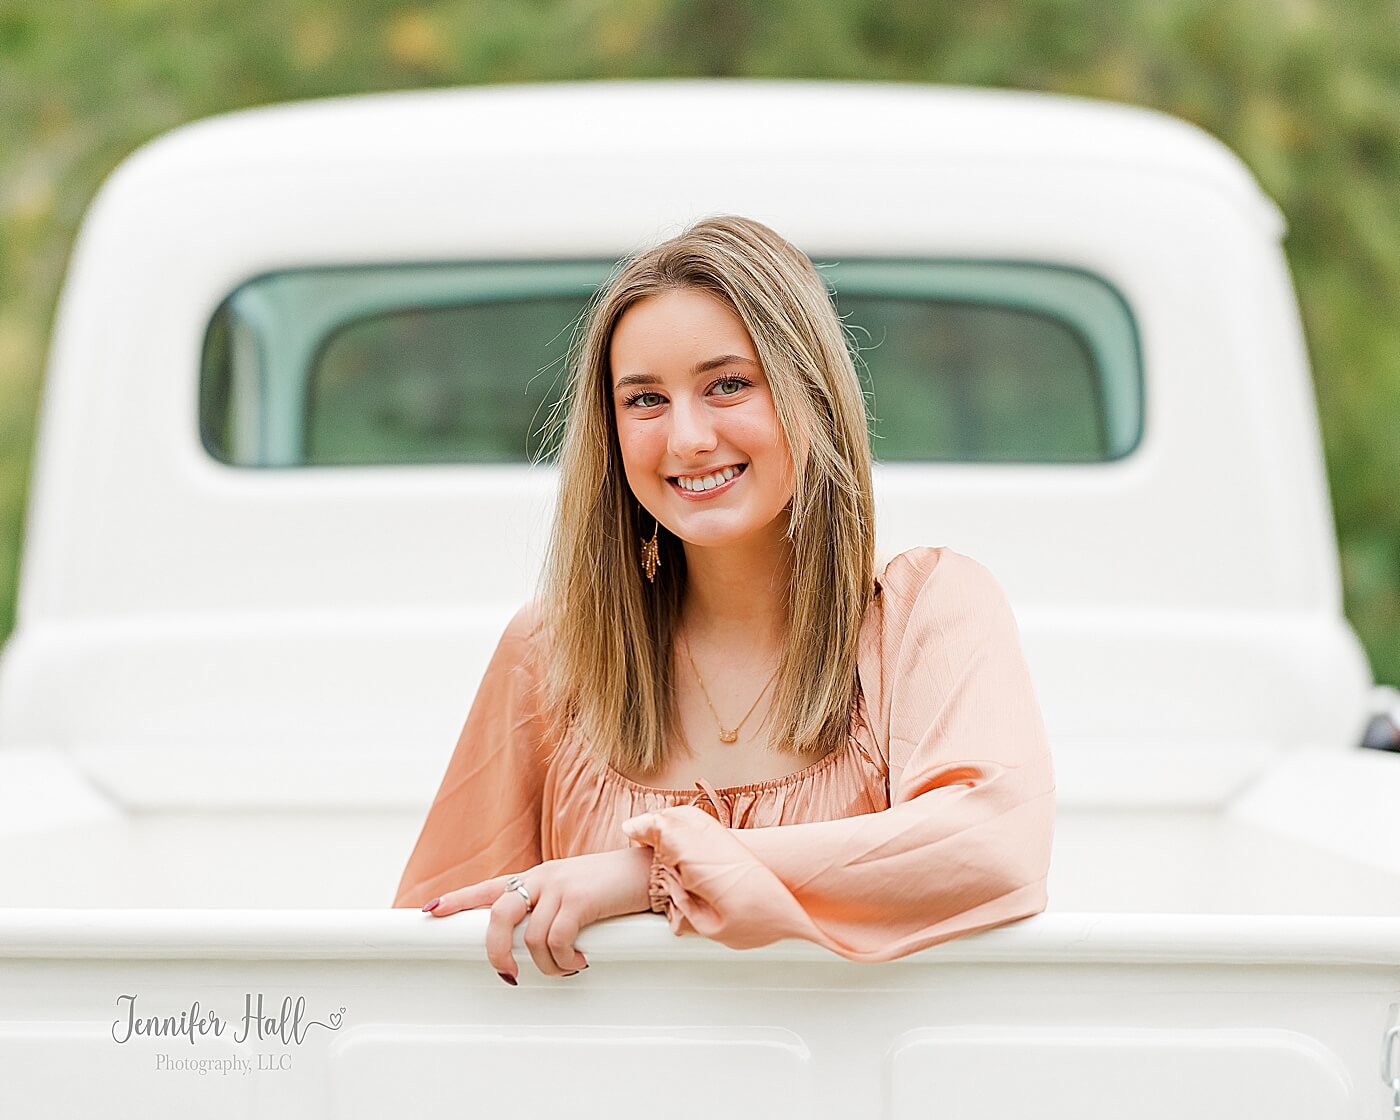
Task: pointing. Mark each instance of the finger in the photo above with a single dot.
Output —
(537, 930)
(643, 829)
(559, 941)
(506, 913)
(468, 898)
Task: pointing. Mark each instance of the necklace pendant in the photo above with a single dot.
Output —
(728, 736)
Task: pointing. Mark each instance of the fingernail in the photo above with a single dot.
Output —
(432, 905)
(507, 977)
(575, 972)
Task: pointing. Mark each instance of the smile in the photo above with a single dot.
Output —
(719, 484)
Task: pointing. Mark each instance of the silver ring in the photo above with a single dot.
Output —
(513, 883)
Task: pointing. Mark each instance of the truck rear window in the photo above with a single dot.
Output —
(960, 361)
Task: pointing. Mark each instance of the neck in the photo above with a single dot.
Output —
(738, 592)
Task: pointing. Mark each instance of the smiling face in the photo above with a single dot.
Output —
(700, 439)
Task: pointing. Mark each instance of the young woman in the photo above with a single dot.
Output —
(716, 708)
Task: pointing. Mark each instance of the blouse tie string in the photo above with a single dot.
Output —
(711, 802)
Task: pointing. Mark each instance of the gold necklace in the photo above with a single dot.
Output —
(724, 736)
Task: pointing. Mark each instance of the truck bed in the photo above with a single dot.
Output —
(1121, 861)
(1137, 994)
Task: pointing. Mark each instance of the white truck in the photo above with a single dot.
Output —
(287, 494)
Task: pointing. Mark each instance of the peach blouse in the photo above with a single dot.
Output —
(934, 821)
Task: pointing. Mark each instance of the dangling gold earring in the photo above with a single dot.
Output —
(651, 555)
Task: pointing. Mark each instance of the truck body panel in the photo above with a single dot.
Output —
(233, 688)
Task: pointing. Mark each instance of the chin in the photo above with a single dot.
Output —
(721, 536)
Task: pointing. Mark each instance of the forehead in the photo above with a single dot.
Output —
(671, 329)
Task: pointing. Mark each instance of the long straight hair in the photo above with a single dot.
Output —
(610, 632)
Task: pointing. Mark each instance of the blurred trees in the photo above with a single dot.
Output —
(1306, 91)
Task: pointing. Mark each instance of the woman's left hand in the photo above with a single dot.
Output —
(565, 895)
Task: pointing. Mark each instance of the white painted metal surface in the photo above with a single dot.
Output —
(1072, 1015)
(231, 693)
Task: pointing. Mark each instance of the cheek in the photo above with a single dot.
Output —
(767, 439)
(770, 446)
(640, 449)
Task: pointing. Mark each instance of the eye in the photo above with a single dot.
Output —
(742, 382)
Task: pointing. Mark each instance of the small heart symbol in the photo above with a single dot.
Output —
(336, 1018)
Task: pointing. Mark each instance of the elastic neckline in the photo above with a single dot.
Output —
(772, 783)
(857, 717)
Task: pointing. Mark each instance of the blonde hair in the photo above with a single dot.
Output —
(610, 632)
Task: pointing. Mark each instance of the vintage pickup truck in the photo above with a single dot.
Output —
(288, 490)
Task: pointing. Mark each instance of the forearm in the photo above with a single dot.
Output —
(870, 887)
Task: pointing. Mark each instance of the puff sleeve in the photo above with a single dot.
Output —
(965, 844)
(485, 819)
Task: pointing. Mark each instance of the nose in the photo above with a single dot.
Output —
(692, 432)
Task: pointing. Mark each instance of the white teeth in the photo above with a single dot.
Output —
(709, 481)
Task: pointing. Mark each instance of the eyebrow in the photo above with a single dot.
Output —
(708, 364)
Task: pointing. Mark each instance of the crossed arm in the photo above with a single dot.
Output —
(965, 844)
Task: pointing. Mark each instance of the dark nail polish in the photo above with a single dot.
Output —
(575, 972)
(507, 977)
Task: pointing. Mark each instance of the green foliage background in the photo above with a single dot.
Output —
(1306, 91)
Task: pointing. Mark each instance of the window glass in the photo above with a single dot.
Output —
(960, 361)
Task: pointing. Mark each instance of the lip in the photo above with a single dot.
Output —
(705, 495)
